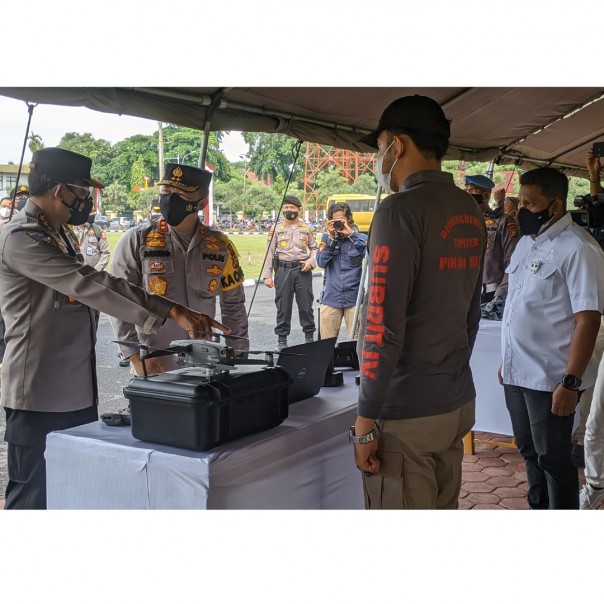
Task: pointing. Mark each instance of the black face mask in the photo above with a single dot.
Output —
(91, 218)
(477, 197)
(80, 209)
(175, 209)
(289, 215)
(530, 223)
(21, 201)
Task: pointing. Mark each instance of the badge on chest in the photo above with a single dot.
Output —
(535, 266)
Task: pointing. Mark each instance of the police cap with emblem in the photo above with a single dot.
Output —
(63, 166)
(186, 178)
(293, 200)
(22, 190)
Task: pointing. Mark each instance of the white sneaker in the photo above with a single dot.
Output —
(590, 498)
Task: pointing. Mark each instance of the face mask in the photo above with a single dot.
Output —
(80, 210)
(530, 223)
(477, 197)
(384, 180)
(91, 218)
(175, 209)
(21, 201)
(289, 215)
(4, 212)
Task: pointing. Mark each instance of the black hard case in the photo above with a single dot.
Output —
(182, 410)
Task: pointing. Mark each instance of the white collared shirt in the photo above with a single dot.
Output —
(551, 278)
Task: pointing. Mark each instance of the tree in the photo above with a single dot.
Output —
(271, 155)
(115, 198)
(35, 142)
(98, 150)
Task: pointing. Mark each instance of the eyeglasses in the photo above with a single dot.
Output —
(87, 189)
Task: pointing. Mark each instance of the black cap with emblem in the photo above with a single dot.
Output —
(186, 178)
(63, 166)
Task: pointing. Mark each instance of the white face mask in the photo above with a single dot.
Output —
(4, 212)
(384, 179)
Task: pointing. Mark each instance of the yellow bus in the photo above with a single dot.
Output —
(362, 207)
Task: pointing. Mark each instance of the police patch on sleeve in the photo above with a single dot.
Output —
(512, 228)
(232, 273)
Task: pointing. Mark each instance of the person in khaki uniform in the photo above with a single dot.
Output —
(93, 244)
(175, 255)
(292, 254)
(47, 296)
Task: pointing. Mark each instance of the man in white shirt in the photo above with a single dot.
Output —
(551, 320)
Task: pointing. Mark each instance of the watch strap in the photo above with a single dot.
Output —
(361, 440)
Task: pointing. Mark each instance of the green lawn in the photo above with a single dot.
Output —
(251, 249)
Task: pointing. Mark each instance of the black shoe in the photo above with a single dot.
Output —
(308, 338)
(281, 344)
(125, 363)
(578, 456)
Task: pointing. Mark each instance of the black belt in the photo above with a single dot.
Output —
(288, 264)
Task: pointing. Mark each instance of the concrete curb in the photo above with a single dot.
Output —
(248, 282)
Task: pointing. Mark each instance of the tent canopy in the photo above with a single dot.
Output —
(530, 126)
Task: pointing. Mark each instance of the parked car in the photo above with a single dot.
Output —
(114, 225)
(126, 222)
(102, 221)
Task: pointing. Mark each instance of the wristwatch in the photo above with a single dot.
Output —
(361, 440)
(572, 382)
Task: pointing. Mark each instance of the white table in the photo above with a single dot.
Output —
(305, 463)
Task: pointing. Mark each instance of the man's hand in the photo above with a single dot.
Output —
(269, 282)
(564, 401)
(593, 166)
(306, 266)
(499, 194)
(330, 228)
(196, 324)
(499, 376)
(365, 457)
(154, 365)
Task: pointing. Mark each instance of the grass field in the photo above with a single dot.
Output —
(251, 249)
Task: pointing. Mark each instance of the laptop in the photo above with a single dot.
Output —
(308, 371)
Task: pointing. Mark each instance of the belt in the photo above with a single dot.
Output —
(288, 264)
(487, 288)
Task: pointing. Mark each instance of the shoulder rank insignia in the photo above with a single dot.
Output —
(39, 237)
(157, 267)
(213, 285)
(214, 270)
(158, 286)
(162, 226)
(202, 230)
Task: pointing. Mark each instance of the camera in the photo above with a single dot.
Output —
(598, 149)
(591, 215)
(338, 225)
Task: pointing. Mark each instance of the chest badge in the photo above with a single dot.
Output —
(158, 286)
(535, 266)
(212, 285)
(213, 247)
(214, 270)
(162, 226)
(157, 267)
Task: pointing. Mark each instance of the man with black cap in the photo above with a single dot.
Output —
(175, 255)
(502, 237)
(420, 317)
(47, 296)
(291, 252)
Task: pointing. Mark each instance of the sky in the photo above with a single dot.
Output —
(51, 122)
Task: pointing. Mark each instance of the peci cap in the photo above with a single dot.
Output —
(480, 181)
(186, 178)
(418, 112)
(293, 200)
(64, 166)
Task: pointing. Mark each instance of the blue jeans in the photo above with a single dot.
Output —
(544, 441)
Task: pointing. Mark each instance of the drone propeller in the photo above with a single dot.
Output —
(289, 354)
(157, 352)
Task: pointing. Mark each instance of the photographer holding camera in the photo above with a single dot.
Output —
(341, 254)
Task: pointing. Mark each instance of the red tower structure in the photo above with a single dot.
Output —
(351, 165)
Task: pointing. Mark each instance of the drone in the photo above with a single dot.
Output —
(210, 355)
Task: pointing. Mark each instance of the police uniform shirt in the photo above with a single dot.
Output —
(194, 275)
(502, 237)
(291, 243)
(551, 278)
(95, 250)
(50, 332)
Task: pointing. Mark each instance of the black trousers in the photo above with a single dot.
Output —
(290, 283)
(26, 437)
(544, 441)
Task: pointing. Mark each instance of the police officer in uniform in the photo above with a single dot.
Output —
(502, 237)
(292, 254)
(93, 243)
(46, 295)
(175, 255)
